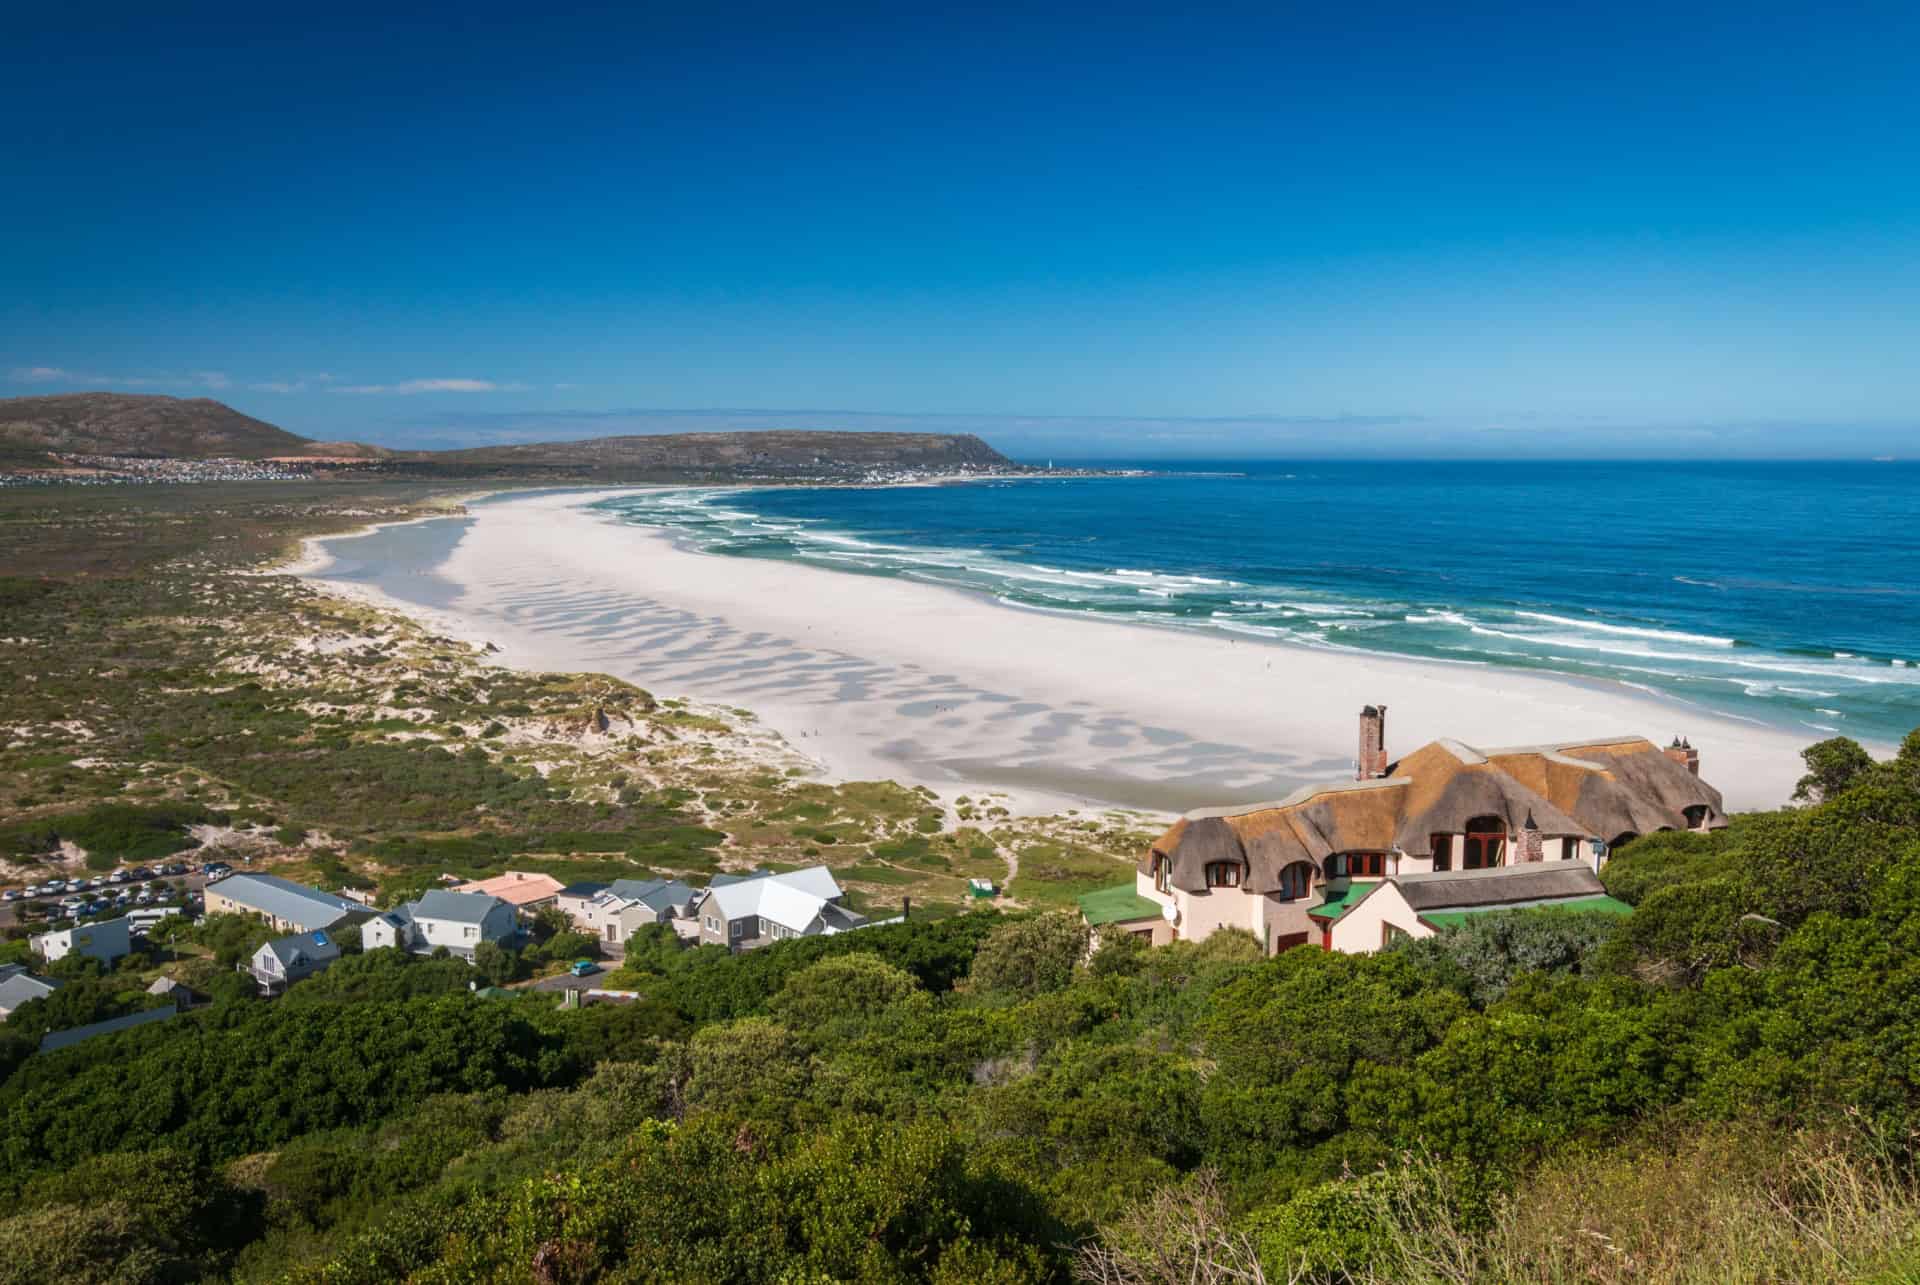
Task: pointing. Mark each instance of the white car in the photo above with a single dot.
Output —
(52, 886)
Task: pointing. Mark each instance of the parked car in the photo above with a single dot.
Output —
(118, 876)
(11, 894)
(584, 968)
(174, 869)
(52, 886)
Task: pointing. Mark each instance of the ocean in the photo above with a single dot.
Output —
(1783, 593)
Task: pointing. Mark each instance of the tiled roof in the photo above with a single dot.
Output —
(515, 887)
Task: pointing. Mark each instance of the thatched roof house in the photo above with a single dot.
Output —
(1442, 812)
(1607, 790)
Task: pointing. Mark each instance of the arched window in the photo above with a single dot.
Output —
(1296, 881)
(1697, 816)
(1442, 845)
(1223, 874)
(1486, 843)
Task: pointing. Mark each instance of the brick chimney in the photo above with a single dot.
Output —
(1372, 762)
(1684, 754)
(1531, 849)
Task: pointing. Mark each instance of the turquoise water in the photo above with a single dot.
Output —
(1787, 594)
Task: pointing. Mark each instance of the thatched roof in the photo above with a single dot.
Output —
(1453, 784)
(1598, 788)
(1619, 786)
(1500, 886)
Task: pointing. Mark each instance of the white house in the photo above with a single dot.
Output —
(764, 908)
(105, 941)
(285, 960)
(458, 921)
(614, 912)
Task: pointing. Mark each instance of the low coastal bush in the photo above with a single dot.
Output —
(112, 832)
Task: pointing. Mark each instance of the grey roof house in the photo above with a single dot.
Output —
(619, 909)
(285, 960)
(17, 986)
(105, 940)
(742, 914)
(458, 921)
(286, 905)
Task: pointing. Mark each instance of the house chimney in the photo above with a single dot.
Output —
(1684, 754)
(1531, 849)
(1372, 762)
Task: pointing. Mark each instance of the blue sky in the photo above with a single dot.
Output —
(1299, 230)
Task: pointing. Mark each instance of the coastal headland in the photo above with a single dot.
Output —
(881, 678)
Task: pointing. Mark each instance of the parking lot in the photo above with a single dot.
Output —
(121, 891)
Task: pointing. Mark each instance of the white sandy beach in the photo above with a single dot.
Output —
(877, 677)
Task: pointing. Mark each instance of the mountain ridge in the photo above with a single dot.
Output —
(150, 426)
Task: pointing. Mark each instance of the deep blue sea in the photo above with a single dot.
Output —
(1787, 593)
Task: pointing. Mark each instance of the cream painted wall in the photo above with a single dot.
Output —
(1358, 931)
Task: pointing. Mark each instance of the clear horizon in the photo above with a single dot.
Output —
(1508, 234)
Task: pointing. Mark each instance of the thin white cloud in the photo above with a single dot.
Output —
(39, 375)
(278, 386)
(212, 379)
(409, 387)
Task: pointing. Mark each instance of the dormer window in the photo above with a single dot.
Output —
(1162, 873)
(1485, 843)
(1296, 881)
(1697, 816)
(1357, 865)
(1223, 874)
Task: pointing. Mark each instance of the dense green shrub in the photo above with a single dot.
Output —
(112, 832)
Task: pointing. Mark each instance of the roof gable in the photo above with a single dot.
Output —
(455, 907)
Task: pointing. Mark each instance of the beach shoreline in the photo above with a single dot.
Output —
(875, 678)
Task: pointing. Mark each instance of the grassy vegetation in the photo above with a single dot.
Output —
(1720, 1087)
(158, 688)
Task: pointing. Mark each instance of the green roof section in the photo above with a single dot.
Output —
(1116, 905)
(1599, 905)
(1341, 900)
